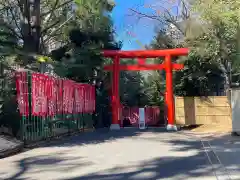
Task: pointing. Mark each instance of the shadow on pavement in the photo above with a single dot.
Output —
(166, 167)
(227, 148)
(47, 163)
(101, 136)
(172, 167)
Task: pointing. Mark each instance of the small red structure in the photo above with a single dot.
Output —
(168, 66)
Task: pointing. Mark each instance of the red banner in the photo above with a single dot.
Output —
(84, 98)
(22, 93)
(152, 116)
(51, 96)
(87, 97)
(76, 99)
(59, 96)
(134, 116)
(51, 90)
(39, 94)
(68, 92)
(93, 98)
(79, 98)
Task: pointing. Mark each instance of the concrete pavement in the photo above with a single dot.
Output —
(127, 155)
(227, 149)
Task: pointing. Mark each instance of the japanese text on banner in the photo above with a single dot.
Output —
(22, 93)
(79, 98)
(39, 95)
(51, 89)
(68, 100)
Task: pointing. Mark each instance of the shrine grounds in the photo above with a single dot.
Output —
(128, 154)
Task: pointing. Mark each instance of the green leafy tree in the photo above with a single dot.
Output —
(9, 117)
(211, 30)
(88, 35)
(199, 77)
(132, 87)
(80, 28)
(219, 38)
(81, 55)
(37, 26)
(154, 88)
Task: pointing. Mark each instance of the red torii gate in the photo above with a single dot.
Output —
(168, 66)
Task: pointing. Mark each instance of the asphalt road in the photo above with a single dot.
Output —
(120, 155)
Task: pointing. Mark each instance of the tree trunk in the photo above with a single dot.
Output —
(26, 27)
(31, 31)
(36, 25)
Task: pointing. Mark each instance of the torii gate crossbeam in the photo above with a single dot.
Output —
(168, 66)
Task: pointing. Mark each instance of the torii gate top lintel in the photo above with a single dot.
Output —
(168, 66)
(146, 53)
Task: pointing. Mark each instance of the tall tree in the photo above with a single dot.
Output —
(36, 23)
(211, 31)
(220, 38)
(89, 34)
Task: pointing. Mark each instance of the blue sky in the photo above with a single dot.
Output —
(142, 30)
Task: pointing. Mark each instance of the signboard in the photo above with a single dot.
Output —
(142, 118)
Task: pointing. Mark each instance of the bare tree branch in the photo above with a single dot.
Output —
(44, 31)
(143, 15)
(15, 21)
(52, 12)
(166, 17)
(58, 7)
(52, 33)
(20, 5)
(10, 29)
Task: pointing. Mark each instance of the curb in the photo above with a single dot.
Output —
(235, 134)
(56, 138)
(11, 152)
(24, 147)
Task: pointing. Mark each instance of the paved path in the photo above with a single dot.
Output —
(122, 155)
(228, 150)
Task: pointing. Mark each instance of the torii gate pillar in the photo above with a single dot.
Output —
(169, 94)
(115, 94)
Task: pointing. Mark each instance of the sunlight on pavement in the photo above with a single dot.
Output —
(144, 156)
